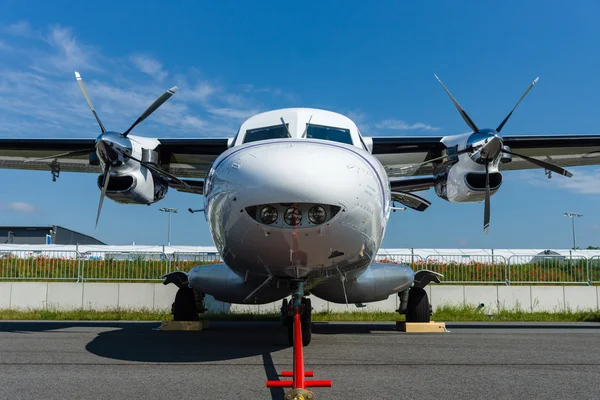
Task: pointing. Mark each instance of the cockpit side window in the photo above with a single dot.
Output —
(270, 132)
(328, 133)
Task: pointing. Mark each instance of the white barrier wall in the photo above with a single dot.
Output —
(106, 296)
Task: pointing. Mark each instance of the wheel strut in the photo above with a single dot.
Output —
(298, 383)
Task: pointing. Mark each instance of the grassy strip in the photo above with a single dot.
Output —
(445, 313)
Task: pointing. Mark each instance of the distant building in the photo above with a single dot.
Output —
(51, 234)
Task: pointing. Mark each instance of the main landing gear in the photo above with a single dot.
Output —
(414, 301)
(188, 303)
(298, 323)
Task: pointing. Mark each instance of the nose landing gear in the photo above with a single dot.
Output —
(298, 324)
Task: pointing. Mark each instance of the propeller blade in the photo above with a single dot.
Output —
(157, 170)
(459, 108)
(515, 107)
(87, 98)
(486, 212)
(157, 103)
(71, 153)
(104, 187)
(543, 164)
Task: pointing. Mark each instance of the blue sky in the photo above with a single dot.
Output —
(372, 62)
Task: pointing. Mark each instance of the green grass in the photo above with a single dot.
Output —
(443, 314)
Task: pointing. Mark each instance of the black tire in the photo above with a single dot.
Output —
(284, 313)
(184, 306)
(418, 309)
(306, 319)
(305, 324)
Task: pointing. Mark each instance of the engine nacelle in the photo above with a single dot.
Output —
(376, 283)
(138, 187)
(223, 284)
(464, 181)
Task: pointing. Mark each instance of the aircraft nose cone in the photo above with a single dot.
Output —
(296, 172)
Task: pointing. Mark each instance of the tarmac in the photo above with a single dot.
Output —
(233, 360)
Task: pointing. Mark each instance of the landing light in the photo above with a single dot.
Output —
(317, 215)
(292, 216)
(268, 215)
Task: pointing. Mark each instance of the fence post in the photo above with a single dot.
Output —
(507, 268)
(588, 270)
(79, 273)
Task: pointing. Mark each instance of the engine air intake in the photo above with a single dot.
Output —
(117, 183)
(476, 181)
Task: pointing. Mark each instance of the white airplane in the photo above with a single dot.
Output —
(298, 201)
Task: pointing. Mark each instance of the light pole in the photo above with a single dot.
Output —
(170, 211)
(572, 216)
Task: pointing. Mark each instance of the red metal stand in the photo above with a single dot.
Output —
(298, 384)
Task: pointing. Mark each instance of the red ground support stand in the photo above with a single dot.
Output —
(298, 384)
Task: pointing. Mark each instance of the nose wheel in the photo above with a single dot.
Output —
(298, 323)
(287, 316)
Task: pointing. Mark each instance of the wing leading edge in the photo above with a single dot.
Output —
(401, 155)
(186, 158)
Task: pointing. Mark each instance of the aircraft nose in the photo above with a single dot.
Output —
(296, 172)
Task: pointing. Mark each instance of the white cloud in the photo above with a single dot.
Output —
(22, 28)
(150, 66)
(68, 54)
(357, 116)
(232, 112)
(18, 207)
(399, 125)
(39, 95)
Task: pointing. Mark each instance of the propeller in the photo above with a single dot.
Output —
(106, 178)
(490, 147)
(113, 148)
(486, 212)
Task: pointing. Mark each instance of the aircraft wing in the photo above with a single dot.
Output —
(400, 154)
(185, 158)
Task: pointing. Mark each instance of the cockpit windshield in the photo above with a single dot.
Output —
(270, 132)
(328, 133)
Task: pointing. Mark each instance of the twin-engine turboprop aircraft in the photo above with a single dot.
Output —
(298, 201)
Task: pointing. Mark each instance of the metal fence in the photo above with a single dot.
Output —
(78, 266)
(461, 268)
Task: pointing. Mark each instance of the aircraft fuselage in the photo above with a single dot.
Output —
(297, 207)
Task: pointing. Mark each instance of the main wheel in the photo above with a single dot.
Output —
(305, 324)
(284, 313)
(184, 306)
(418, 309)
